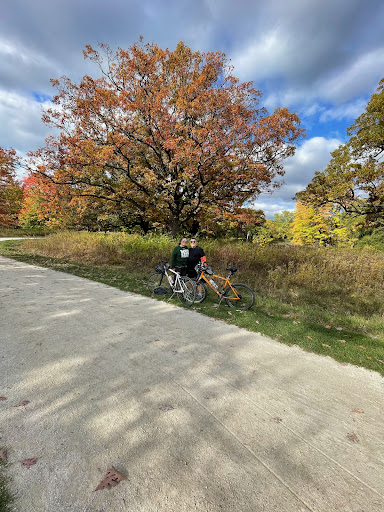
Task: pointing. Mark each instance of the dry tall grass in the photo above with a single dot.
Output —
(351, 280)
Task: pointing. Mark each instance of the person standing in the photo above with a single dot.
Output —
(196, 255)
(180, 257)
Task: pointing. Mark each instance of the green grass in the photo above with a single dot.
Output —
(314, 325)
(6, 497)
(17, 232)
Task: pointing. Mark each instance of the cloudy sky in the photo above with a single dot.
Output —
(320, 58)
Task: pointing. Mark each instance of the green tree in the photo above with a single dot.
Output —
(354, 178)
(11, 194)
(282, 225)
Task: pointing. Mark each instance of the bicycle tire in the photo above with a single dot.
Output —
(246, 296)
(187, 298)
(158, 281)
(201, 292)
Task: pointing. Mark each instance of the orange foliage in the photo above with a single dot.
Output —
(164, 134)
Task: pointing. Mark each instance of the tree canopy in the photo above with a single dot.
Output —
(354, 178)
(10, 191)
(164, 136)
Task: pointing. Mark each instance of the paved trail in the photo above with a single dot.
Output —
(197, 414)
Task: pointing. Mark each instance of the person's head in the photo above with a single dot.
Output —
(193, 242)
(183, 242)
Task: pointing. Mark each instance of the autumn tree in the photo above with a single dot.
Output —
(10, 192)
(310, 225)
(44, 205)
(243, 223)
(324, 225)
(165, 135)
(282, 225)
(49, 205)
(354, 178)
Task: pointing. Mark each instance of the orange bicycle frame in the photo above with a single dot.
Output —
(227, 282)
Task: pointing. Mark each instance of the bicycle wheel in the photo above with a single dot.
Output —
(158, 284)
(201, 292)
(189, 291)
(243, 298)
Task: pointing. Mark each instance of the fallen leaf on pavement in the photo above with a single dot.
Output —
(352, 437)
(29, 462)
(3, 398)
(166, 407)
(3, 455)
(111, 479)
(360, 411)
(21, 404)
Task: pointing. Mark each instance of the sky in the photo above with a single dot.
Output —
(322, 59)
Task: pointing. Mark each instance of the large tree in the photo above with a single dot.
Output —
(165, 134)
(10, 192)
(354, 178)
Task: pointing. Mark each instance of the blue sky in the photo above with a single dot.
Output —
(320, 58)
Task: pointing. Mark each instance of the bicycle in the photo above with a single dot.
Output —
(237, 295)
(164, 280)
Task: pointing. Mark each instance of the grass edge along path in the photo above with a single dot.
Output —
(6, 497)
(345, 346)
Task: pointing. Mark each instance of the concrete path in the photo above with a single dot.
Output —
(198, 415)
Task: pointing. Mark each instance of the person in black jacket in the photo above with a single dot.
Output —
(196, 254)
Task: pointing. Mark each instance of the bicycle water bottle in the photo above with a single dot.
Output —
(170, 280)
(213, 283)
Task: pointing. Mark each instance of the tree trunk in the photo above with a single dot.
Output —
(144, 226)
(175, 226)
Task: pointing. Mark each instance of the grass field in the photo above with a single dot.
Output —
(325, 300)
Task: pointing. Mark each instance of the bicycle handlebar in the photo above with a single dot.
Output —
(200, 267)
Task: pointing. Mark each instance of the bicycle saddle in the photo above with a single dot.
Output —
(232, 270)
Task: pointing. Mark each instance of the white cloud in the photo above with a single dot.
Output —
(21, 126)
(347, 111)
(312, 156)
(355, 78)
(344, 83)
(271, 208)
(263, 56)
(24, 68)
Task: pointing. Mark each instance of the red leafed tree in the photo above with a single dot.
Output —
(44, 204)
(10, 191)
(164, 135)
